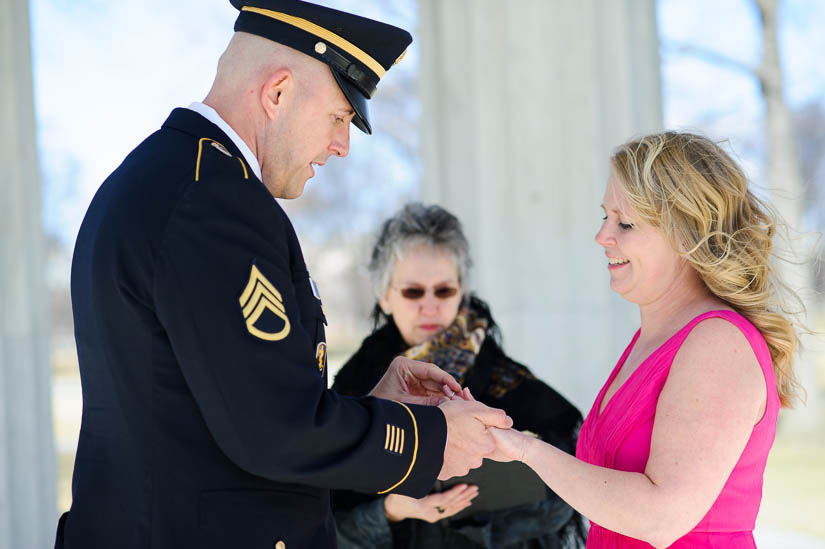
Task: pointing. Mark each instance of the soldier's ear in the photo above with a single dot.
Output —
(274, 90)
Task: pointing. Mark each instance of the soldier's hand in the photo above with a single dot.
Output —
(416, 382)
(468, 438)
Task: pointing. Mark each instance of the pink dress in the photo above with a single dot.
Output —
(619, 438)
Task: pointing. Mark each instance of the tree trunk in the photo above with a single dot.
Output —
(785, 179)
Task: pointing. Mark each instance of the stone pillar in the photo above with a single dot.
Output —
(27, 461)
(522, 103)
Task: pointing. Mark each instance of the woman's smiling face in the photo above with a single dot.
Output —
(643, 265)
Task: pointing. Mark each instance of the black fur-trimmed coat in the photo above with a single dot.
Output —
(500, 382)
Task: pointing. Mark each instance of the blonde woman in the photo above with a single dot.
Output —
(673, 451)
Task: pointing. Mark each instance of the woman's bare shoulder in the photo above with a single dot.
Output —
(715, 358)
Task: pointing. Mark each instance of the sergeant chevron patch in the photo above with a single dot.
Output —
(394, 441)
(258, 297)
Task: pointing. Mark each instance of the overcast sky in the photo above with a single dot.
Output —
(107, 74)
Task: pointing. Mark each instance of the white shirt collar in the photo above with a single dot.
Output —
(212, 115)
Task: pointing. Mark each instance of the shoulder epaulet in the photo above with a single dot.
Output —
(214, 157)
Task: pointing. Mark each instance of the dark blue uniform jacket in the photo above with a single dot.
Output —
(207, 421)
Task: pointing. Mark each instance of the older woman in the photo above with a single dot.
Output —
(673, 452)
(420, 273)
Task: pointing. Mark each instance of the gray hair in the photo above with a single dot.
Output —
(414, 225)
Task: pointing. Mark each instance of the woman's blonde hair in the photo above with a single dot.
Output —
(689, 188)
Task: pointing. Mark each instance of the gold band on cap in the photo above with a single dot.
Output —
(325, 34)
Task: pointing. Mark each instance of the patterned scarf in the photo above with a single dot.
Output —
(455, 348)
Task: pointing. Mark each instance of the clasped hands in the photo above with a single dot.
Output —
(474, 430)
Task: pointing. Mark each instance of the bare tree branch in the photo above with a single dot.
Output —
(708, 55)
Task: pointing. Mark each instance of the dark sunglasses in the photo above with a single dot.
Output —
(441, 292)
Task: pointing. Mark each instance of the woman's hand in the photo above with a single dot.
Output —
(511, 445)
(431, 508)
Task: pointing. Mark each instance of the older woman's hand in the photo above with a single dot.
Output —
(431, 508)
(416, 382)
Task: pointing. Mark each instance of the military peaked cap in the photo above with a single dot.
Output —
(358, 50)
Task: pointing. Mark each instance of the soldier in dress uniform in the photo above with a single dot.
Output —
(207, 421)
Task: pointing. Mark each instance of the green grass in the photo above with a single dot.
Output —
(65, 464)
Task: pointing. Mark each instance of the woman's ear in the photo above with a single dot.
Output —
(385, 305)
(274, 90)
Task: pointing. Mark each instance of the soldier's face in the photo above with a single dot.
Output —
(314, 127)
(424, 293)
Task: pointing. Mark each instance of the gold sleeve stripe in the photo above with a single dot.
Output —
(324, 34)
(387, 440)
(401, 444)
(415, 451)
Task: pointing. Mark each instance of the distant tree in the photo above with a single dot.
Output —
(787, 177)
(347, 199)
(791, 154)
(809, 122)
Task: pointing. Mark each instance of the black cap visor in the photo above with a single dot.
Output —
(357, 100)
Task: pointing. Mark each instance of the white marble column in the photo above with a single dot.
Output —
(522, 103)
(27, 461)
